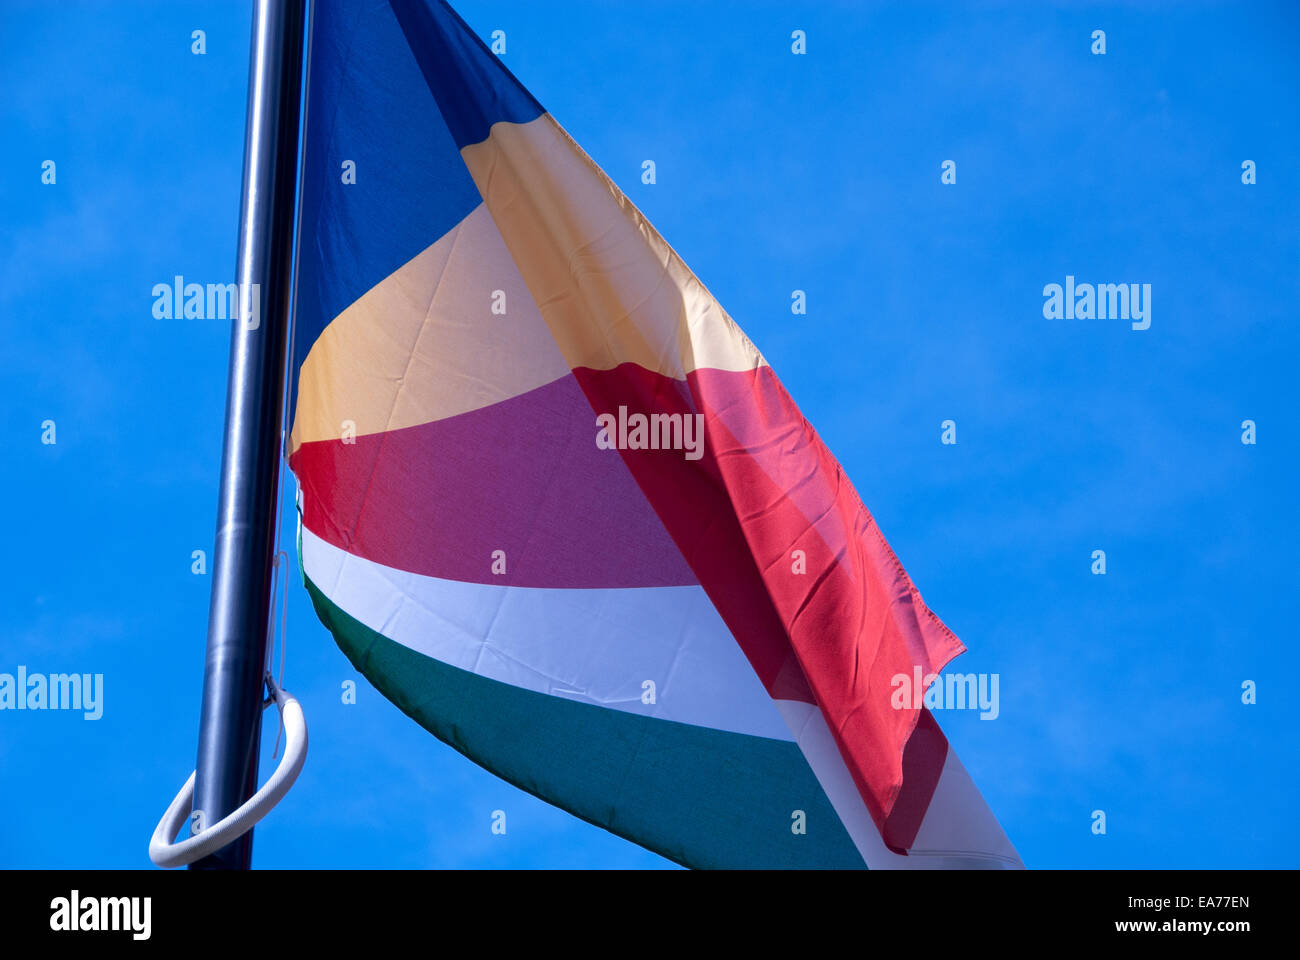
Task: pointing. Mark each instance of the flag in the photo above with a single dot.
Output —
(557, 507)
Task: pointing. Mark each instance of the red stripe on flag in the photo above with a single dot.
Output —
(523, 476)
(797, 569)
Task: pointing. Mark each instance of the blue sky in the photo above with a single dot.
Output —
(775, 172)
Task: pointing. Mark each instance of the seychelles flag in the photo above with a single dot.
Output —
(557, 507)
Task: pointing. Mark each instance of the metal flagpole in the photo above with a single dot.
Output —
(231, 719)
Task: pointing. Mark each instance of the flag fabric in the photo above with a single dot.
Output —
(557, 507)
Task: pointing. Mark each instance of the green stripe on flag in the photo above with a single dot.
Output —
(699, 796)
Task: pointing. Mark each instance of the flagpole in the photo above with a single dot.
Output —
(231, 716)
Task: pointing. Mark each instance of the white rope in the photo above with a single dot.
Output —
(164, 853)
(282, 584)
